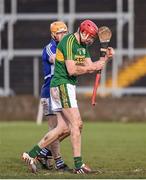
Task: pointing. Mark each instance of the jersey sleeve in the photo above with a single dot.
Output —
(50, 50)
(68, 48)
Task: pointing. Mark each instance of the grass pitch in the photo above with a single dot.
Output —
(117, 150)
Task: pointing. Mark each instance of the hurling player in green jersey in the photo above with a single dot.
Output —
(73, 59)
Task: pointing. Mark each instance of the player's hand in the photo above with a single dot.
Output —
(110, 52)
(100, 64)
(95, 66)
(52, 59)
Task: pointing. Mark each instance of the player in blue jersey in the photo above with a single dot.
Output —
(58, 29)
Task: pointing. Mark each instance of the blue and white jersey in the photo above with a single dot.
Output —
(48, 67)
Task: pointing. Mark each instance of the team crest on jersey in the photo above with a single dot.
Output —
(81, 51)
(80, 56)
(59, 55)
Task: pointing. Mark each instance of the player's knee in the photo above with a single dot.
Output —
(64, 133)
(62, 130)
(81, 126)
(66, 130)
(75, 129)
(52, 122)
(76, 126)
(75, 132)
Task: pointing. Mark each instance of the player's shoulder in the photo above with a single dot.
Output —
(68, 35)
(51, 44)
(50, 48)
(67, 38)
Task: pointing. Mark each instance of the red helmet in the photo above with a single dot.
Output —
(89, 28)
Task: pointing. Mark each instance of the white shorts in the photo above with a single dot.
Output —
(47, 107)
(63, 96)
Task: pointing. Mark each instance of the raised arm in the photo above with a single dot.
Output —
(88, 66)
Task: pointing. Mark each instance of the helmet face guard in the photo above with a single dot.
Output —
(86, 38)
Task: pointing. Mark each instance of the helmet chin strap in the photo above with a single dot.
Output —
(84, 36)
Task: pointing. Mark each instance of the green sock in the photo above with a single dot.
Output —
(34, 151)
(78, 162)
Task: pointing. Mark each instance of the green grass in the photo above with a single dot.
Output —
(118, 150)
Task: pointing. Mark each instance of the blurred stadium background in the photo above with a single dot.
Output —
(116, 148)
(24, 31)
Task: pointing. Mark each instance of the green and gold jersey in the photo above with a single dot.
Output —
(68, 49)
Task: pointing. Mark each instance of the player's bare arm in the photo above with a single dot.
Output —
(75, 70)
(97, 65)
(89, 66)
